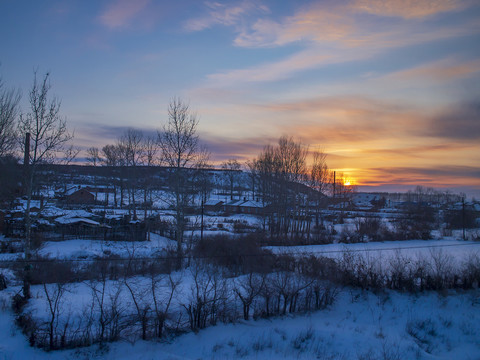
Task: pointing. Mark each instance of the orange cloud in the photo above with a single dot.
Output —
(442, 70)
(447, 175)
(338, 23)
(346, 118)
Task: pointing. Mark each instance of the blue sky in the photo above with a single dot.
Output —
(389, 89)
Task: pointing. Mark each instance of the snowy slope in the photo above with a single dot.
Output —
(360, 325)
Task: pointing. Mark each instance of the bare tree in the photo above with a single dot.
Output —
(54, 299)
(9, 172)
(203, 183)
(8, 114)
(252, 172)
(320, 179)
(150, 150)
(178, 142)
(281, 171)
(320, 175)
(208, 288)
(141, 302)
(131, 147)
(49, 135)
(111, 157)
(162, 299)
(231, 170)
(93, 157)
(247, 289)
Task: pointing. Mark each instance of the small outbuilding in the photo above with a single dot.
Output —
(80, 196)
(213, 205)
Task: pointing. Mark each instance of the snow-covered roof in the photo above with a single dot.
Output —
(53, 211)
(212, 202)
(78, 213)
(44, 222)
(251, 203)
(66, 220)
(235, 203)
(75, 189)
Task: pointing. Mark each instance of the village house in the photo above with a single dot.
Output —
(213, 205)
(244, 207)
(79, 196)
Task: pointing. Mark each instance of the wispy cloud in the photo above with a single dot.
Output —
(223, 14)
(102, 134)
(342, 25)
(438, 71)
(443, 175)
(120, 13)
(335, 33)
(346, 118)
(407, 9)
(314, 23)
(222, 148)
(272, 71)
(414, 151)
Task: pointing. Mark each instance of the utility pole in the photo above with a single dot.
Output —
(26, 155)
(334, 182)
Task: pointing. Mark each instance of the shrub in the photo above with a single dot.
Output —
(240, 255)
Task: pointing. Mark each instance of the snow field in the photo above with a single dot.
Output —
(359, 325)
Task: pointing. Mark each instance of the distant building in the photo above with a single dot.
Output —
(80, 196)
(252, 207)
(244, 207)
(213, 205)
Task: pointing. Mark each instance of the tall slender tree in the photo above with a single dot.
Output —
(9, 172)
(150, 150)
(111, 157)
(178, 141)
(132, 150)
(49, 136)
(94, 158)
(231, 171)
(203, 183)
(9, 100)
(320, 180)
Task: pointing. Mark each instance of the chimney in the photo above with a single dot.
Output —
(26, 156)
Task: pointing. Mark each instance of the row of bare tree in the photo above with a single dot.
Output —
(294, 192)
(149, 306)
(175, 147)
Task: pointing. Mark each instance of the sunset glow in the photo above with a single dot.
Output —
(389, 89)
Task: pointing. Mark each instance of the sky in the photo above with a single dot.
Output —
(388, 89)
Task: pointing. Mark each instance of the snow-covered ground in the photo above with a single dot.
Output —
(78, 249)
(360, 325)
(457, 249)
